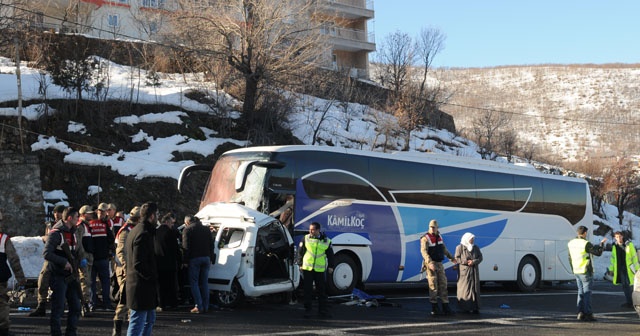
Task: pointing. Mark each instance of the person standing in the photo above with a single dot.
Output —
(60, 251)
(142, 273)
(7, 254)
(315, 257)
(624, 265)
(197, 243)
(468, 257)
(45, 276)
(103, 249)
(166, 251)
(121, 270)
(83, 235)
(580, 255)
(433, 252)
(116, 221)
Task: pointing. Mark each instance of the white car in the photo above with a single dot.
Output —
(636, 293)
(254, 254)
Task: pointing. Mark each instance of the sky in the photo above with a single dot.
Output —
(507, 32)
(360, 134)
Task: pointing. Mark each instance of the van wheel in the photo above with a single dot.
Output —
(346, 274)
(232, 298)
(528, 274)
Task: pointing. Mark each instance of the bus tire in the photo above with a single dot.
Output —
(345, 276)
(229, 299)
(528, 274)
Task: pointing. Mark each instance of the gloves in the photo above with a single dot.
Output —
(83, 263)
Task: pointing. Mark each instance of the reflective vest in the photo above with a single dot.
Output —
(315, 258)
(631, 260)
(578, 255)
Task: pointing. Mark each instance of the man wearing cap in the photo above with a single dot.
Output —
(580, 255)
(433, 252)
(103, 249)
(83, 235)
(45, 275)
(121, 270)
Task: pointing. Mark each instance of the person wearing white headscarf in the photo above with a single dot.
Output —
(468, 256)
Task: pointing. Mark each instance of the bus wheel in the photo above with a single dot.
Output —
(232, 298)
(346, 275)
(528, 274)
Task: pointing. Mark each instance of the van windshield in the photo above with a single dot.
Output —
(221, 186)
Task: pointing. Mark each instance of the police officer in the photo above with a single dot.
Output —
(7, 253)
(64, 284)
(580, 251)
(315, 258)
(624, 265)
(433, 252)
(44, 276)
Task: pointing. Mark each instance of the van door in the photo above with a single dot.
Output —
(229, 246)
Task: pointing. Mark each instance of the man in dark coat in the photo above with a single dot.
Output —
(197, 243)
(142, 272)
(166, 251)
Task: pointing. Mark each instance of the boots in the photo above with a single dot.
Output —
(447, 309)
(435, 309)
(117, 328)
(40, 311)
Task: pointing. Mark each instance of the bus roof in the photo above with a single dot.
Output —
(421, 157)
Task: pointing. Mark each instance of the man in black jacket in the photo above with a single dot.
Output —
(197, 243)
(142, 272)
(59, 251)
(166, 251)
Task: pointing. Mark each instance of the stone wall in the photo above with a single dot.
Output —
(21, 201)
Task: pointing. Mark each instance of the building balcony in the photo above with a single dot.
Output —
(350, 39)
(350, 9)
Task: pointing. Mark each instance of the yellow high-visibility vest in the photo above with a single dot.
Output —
(578, 254)
(631, 261)
(315, 258)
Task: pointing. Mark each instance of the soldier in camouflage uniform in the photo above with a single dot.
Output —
(121, 309)
(7, 253)
(45, 274)
(433, 252)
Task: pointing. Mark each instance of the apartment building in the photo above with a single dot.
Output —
(346, 22)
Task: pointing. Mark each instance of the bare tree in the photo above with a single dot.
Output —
(429, 44)
(395, 57)
(270, 41)
(486, 130)
(508, 145)
(621, 183)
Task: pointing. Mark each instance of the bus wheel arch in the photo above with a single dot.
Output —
(347, 274)
(529, 273)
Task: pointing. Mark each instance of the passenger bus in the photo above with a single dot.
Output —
(375, 207)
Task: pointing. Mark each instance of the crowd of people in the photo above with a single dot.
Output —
(144, 262)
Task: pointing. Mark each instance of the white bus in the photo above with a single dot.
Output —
(376, 206)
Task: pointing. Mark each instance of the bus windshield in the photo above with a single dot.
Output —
(236, 179)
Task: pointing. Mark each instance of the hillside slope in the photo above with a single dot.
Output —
(572, 111)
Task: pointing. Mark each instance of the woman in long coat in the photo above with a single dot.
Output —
(468, 256)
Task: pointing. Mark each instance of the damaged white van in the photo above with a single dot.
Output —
(254, 254)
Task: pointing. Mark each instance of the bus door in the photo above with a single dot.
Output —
(229, 246)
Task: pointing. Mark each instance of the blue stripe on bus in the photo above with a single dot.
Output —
(416, 220)
(485, 234)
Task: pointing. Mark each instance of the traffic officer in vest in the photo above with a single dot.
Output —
(433, 252)
(315, 257)
(624, 265)
(580, 252)
(7, 253)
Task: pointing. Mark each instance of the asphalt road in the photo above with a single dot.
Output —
(403, 311)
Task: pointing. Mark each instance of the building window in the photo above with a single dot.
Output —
(113, 20)
(153, 3)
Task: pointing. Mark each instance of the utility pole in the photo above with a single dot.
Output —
(19, 82)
